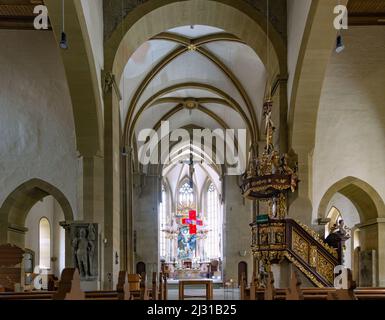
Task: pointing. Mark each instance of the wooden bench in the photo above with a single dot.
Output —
(70, 284)
(294, 292)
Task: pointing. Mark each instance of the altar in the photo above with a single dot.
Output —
(181, 274)
(187, 258)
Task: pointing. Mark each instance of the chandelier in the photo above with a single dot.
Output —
(269, 176)
(171, 230)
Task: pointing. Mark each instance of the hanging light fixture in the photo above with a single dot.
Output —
(191, 167)
(340, 43)
(63, 38)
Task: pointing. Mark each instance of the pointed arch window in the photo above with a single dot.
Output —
(44, 244)
(163, 224)
(186, 195)
(212, 243)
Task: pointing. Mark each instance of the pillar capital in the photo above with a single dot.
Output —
(109, 83)
(65, 225)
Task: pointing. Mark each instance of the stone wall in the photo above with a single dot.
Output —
(297, 14)
(36, 120)
(237, 232)
(351, 118)
(145, 222)
(351, 128)
(93, 14)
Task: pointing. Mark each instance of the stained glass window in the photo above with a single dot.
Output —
(212, 243)
(186, 195)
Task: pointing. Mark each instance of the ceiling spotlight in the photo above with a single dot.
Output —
(340, 44)
(63, 41)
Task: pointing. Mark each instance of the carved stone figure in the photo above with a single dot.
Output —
(84, 244)
(261, 280)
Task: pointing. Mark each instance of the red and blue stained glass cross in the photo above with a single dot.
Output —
(192, 221)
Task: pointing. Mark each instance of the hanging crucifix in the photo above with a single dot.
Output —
(192, 222)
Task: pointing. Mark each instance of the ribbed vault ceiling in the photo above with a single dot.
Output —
(196, 77)
(222, 77)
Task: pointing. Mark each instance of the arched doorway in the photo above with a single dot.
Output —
(359, 203)
(242, 271)
(30, 218)
(140, 267)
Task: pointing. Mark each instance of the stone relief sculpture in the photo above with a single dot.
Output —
(85, 249)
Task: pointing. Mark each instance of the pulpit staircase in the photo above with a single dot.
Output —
(276, 240)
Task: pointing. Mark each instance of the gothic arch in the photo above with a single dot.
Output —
(15, 208)
(368, 202)
(154, 18)
(315, 51)
(81, 72)
(318, 40)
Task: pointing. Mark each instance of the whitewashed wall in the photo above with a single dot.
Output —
(350, 136)
(297, 14)
(36, 120)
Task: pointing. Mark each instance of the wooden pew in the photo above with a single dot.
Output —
(154, 294)
(160, 287)
(270, 290)
(123, 287)
(69, 286)
(165, 288)
(244, 291)
(344, 294)
(38, 295)
(295, 292)
(69, 289)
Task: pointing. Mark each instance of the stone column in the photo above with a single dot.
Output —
(112, 150)
(281, 98)
(127, 219)
(381, 252)
(91, 187)
(238, 215)
(372, 237)
(67, 240)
